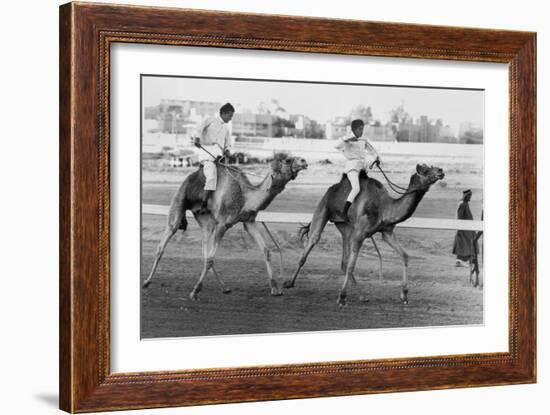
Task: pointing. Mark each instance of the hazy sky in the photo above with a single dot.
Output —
(323, 101)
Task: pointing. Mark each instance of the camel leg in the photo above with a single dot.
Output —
(345, 254)
(175, 217)
(474, 270)
(206, 229)
(278, 249)
(316, 229)
(254, 231)
(345, 232)
(355, 246)
(290, 283)
(209, 250)
(391, 240)
(168, 233)
(206, 247)
(224, 288)
(380, 276)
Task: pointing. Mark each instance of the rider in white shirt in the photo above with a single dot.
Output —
(214, 140)
(354, 148)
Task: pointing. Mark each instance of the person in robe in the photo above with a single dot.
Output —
(464, 247)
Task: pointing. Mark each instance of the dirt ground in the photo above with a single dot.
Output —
(439, 292)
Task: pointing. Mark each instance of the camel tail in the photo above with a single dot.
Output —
(304, 231)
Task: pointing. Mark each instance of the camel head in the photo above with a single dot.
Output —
(428, 175)
(285, 168)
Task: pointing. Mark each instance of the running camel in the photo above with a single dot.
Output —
(235, 200)
(372, 211)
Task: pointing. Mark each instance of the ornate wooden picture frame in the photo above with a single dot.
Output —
(87, 32)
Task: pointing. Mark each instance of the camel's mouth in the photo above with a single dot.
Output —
(440, 175)
(300, 164)
(437, 175)
(297, 166)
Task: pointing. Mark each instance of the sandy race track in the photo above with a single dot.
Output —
(439, 294)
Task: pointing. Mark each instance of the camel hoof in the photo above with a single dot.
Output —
(341, 300)
(288, 284)
(194, 296)
(404, 296)
(146, 284)
(276, 292)
(226, 291)
(364, 299)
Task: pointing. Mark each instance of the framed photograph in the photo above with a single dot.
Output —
(258, 207)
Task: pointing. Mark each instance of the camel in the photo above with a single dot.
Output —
(372, 211)
(235, 200)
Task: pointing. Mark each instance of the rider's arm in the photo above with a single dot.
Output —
(227, 140)
(345, 139)
(199, 130)
(340, 144)
(371, 150)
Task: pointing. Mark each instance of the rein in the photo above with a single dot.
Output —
(395, 187)
(229, 168)
(235, 169)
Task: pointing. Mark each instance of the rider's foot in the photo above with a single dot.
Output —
(204, 204)
(204, 208)
(345, 216)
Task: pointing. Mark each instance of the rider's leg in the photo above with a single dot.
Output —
(353, 177)
(210, 173)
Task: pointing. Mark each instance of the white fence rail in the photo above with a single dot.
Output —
(288, 217)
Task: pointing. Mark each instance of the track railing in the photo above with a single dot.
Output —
(291, 217)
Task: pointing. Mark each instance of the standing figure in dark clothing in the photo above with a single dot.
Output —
(463, 247)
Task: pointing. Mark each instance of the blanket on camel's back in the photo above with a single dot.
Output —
(338, 193)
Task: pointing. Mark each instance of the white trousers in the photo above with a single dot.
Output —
(353, 177)
(211, 174)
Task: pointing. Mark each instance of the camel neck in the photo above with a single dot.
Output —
(404, 207)
(263, 194)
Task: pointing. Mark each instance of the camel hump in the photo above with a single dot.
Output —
(364, 179)
(337, 194)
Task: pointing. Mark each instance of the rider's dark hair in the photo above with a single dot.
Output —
(225, 108)
(356, 124)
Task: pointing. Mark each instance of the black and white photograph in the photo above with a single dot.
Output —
(279, 206)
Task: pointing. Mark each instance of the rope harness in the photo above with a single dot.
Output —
(395, 187)
(218, 161)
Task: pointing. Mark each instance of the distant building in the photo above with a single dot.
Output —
(189, 107)
(470, 133)
(424, 131)
(380, 133)
(252, 125)
(336, 128)
(150, 126)
(301, 126)
(174, 116)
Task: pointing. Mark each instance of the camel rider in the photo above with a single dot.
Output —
(214, 140)
(354, 149)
